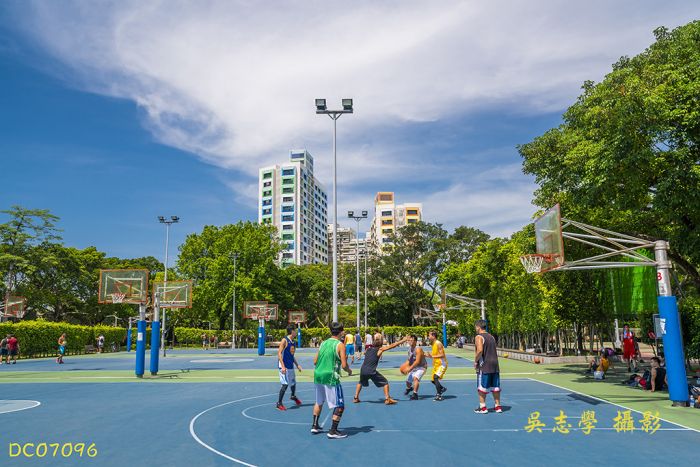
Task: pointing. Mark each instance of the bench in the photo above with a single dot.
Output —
(89, 348)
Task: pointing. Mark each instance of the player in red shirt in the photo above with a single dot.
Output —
(629, 351)
(13, 348)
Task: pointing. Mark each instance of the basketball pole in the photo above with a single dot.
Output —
(261, 336)
(128, 336)
(155, 336)
(673, 346)
(299, 335)
(141, 341)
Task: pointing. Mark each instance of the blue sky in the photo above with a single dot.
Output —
(113, 115)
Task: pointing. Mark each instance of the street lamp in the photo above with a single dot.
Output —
(334, 115)
(168, 223)
(233, 313)
(358, 218)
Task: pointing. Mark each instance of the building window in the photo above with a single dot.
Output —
(267, 202)
(412, 221)
(297, 155)
(287, 190)
(386, 240)
(287, 208)
(287, 255)
(267, 193)
(387, 222)
(287, 218)
(412, 212)
(288, 237)
(386, 213)
(287, 181)
(288, 171)
(267, 175)
(387, 231)
(287, 199)
(267, 184)
(287, 227)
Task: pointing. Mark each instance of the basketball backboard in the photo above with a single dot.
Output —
(123, 286)
(15, 307)
(296, 316)
(550, 242)
(173, 294)
(260, 310)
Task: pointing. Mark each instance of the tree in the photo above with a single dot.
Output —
(207, 258)
(627, 155)
(26, 229)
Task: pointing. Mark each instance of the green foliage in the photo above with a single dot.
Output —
(37, 338)
(627, 156)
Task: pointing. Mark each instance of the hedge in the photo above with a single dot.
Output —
(192, 337)
(40, 338)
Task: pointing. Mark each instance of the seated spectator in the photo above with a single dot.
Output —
(657, 377)
(599, 365)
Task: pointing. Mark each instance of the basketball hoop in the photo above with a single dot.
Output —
(533, 263)
(118, 297)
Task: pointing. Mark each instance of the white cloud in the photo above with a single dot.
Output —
(234, 81)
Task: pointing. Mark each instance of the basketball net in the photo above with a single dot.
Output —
(118, 297)
(532, 263)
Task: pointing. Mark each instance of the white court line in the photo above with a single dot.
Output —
(196, 438)
(35, 404)
(245, 414)
(613, 403)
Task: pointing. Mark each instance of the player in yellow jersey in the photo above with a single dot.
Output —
(437, 353)
(350, 346)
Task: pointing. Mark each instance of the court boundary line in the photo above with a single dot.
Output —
(18, 400)
(614, 403)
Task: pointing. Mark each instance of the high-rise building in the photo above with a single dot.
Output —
(388, 217)
(348, 244)
(294, 201)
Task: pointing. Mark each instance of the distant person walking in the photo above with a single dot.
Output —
(62, 342)
(13, 349)
(487, 371)
(358, 345)
(629, 352)
(205, 342)
(3, 350)
(100, 343)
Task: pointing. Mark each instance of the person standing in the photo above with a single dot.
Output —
(350, 345)
(329, 359)
(358, 344)
(3, 350)
(286, 363)
(205, 342)
(13, 349)
(437, 353)
(628, 348)
(368, 340)
(62, 342)
(417, 367)
(369, 369)
(486, 366)
(100, 343)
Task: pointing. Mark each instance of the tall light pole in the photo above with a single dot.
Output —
(334, 115)
(366, 252)
(358, 219)
(233, 312)
(168, 223)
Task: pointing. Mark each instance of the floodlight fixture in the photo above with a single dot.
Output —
(347, 105)
(320, 105)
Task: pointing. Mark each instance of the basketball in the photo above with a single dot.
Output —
(404, 367)
(505, 355)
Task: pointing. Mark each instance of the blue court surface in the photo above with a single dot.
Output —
(236, 423)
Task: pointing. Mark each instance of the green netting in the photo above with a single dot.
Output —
(630, 291)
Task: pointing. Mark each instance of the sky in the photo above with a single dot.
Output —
(114, 113)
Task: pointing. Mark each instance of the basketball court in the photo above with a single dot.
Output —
(219, 409)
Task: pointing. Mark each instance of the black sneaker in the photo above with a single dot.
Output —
(414, 397)
(315, 429)
(335, 434)
(438, 398)
(407, 391)
(443, 390)
(482, 410)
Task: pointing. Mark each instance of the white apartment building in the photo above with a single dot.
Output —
(294, 201)
(388, 217)
(348, 243)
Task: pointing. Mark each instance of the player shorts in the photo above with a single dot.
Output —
(488, 382)
(331, 395)
(289, 377)
(440, 371)
(350, 349)
(415, 374)
(62, 349)
(13, 352)
(3, 352)
(377, 378)
(628, 354)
